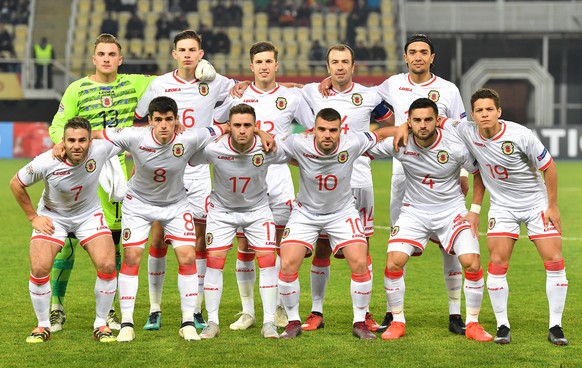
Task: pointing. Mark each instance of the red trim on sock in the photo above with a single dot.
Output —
(201, 255)
(362, 277)
(554, 265)
(245, 256)
(187, 269)
(474, 276)
(107, 276)
(288, 278)
(215, 262)
(498, 270)
(321, 262)
(393, 275)
(39, 280)
(129, 270)
(267, 260)
(158, 252)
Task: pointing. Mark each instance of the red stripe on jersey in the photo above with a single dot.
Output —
(136, 115)
(545, 167)
(503, 235)
(455, 233)
(323, 154)
(237, 151)
(346, 91)
(292, 241)
(20, 181)
(156, 140)
(433, 78)
(48, 239)
(407, 241)
(349, 242)
(386, 116)
(94, 236)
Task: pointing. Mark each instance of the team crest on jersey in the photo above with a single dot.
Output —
(342, 157)
(258, 159)
(507, 148)
(357, 99)
(178, 149)
(286, 232)
(90, 165)
(281, 103)
(106, 101)
(126, 234)
(203, 89)
(395, 230)
(209, 238)
(434, 95)
(443, 157)
(491, 224)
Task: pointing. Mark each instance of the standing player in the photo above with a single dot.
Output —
(276, 107)
(105, 99)
(325, 203)
(400, 91)
(509, 157)
(156, 193)
(239, 200)
(196, 100)
(433, 205)
(356, 104)
(68, 205)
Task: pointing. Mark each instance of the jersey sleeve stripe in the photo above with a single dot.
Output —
(545, 167)
(20, 181)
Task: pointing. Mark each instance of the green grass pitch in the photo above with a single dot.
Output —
(427, 343)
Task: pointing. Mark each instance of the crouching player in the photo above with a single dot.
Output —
(69, 204)
(433, 205)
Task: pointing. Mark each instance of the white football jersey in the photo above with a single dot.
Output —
(432, 173)
(240, 182)
(196, 101)
(69, 190)
(355, 106)
(400, 92)
(159, 172)
(325, 180)
(509, 162)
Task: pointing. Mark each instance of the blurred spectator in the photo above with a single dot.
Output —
(127, 5)
(221, 42)
(6, 13)
(262, 6)
(131, 64)
(135, 27)
(303, 18)
(207, 39)
(377, 52)
(44, 54)
(234, 14)
(361, 51)
(179, 24)
(219, 16)
(357, 18)
(150, 65)
(163, 26)
(22, 12)
(110, 25)
(316, 54)
(274, 11)
(112, 5)
(188, 5)
(6, 42)
(288, 14)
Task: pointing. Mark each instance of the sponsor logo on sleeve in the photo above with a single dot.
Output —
(370, 138)
(543, 154)
(463, 115)
(507, 148)
(178, 149)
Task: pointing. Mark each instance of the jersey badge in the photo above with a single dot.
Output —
(395, 230)
(442, 157)
(106, 101)
(491, 224)
(258, 159)
(90, 165)
(286, 232)
(126, 234)
(434, 95)
(178, 149)
(281, 103)
(342, 157)
(507, 148)
(203, 89)
(209, 238)
(357, 99)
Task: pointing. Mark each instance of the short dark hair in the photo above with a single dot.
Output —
(163, 104)
(263, 46)
(340, 47)
(78, 122)
(242, 109)
(423, 103)
(486, 93)
(106, 38)
(419, 38)
(328, 114)
(186, 35)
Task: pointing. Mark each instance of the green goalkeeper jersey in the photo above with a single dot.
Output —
(104, 105)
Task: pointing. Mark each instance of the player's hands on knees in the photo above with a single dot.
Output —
(401, 137)
(239, 88)
(324, 87)
(59, 151)
(43, 225)
(552, 215)
(473, 219)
